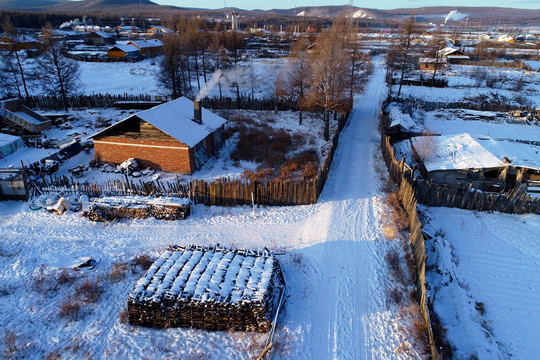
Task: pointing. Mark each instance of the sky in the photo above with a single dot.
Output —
(388, 4)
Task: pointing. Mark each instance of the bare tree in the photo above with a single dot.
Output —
(171, 66)
(58, 74)
(400, 58)
(297, 75)
(435, 45)
(12, 62)
(426, 146)
(329, 65)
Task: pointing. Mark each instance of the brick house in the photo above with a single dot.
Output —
(147, 47)
(178, 136)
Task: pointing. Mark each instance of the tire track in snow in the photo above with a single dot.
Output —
(346, 316)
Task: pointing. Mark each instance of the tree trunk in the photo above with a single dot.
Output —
(22, 74)
(401, 80)
(326, 115)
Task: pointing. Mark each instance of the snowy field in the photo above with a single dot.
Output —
(485, 281)
(513, 85)
(457, 121)
(119, 78)
(333, 259)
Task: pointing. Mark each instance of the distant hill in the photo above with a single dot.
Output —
(28, 4)
(490, 16)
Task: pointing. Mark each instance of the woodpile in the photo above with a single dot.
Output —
(111, 208)
(210, 288)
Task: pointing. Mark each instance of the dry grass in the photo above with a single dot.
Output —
(396, 219)
(143, 261)
(123, 317)
(70, 309)
(118, 272)
(90, 291)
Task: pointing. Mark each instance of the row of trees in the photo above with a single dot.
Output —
(53, 70)
(319, 75)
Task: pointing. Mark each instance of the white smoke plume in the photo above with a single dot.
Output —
(224, 78)
(75, 22)
(454, 15)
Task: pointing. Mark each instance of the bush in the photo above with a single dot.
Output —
(118, 272)
(90, 290)
(70, 309)
(142, 261)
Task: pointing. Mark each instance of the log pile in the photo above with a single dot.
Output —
(111, 208)
(210, 288)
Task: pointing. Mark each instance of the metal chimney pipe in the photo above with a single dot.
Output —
(197, 111)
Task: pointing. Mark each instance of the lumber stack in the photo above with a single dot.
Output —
(210, 288)
(111, 208)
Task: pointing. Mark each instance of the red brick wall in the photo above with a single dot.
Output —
(173, 160)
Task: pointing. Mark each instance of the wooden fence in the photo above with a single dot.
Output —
(109, 100)
(516, 201)
(407, 198)
(225, 192)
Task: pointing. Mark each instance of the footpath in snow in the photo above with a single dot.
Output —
(345, 316)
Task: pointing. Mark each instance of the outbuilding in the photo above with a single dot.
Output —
(99, 38)
(178, 136)
(124, 52)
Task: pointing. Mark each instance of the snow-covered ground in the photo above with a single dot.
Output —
(134, 78)
(334, 265)
(485, 281)
(513, 85)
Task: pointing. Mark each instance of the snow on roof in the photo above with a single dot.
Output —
(175, 119)
(452, 52)
(460, 152)
(125, 48)
(457, 152)
(104, 34)
(399, 118)
(6, 139)
(141, 44)
(20, 38)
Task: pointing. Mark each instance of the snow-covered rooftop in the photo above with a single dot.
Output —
(141, 44)
(460, 152)
(125, 48)
(176, 119)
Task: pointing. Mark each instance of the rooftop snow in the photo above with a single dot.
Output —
(457, 152)
(175, 119)
(145, 43)
(6, 139)
(125, 48)
(463, 151)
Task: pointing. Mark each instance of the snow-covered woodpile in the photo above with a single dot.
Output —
(110, 208)
(211, 288)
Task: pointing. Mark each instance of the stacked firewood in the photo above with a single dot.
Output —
(242, 300)
(103, 209)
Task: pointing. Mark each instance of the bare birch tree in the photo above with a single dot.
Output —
(57, 73)
(171, 66)
(12, 64)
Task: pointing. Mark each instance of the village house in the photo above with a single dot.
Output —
(17, 42)
(147, 47)
(124, 52)
(429, 64)
(453, 56)
(99, 38)
(178, 136)
(480, 161)
(159, 30)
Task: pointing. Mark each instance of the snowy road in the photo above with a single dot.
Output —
(345, 312)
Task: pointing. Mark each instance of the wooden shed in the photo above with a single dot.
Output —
(17, 42)
(99, 38)
(147, 47)
(178, 136)
(124, 52)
